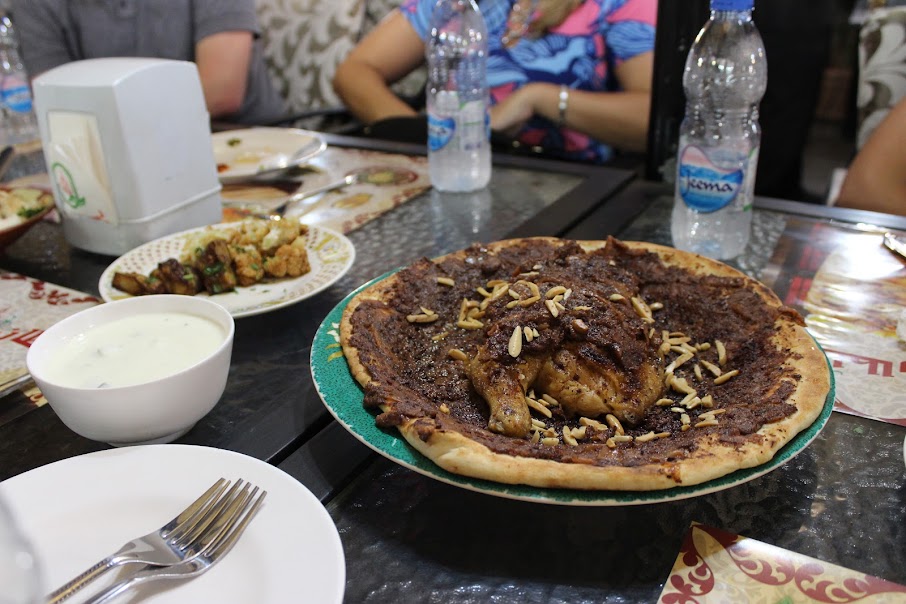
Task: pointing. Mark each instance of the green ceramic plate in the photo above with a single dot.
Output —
(343, 398)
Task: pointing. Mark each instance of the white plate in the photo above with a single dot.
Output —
(256, 152)
(329, 253)
(79, 510)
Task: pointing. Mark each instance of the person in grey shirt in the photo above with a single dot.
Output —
(220, 36)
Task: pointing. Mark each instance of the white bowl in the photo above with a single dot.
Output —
(159, 410)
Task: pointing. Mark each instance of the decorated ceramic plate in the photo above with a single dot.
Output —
(290, 546)
(343, 398)
(242, 155)
(329, 253)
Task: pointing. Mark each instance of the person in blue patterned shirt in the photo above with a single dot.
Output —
(598, 54)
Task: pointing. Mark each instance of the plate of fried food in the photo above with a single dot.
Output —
(20, 209)
(249, 267)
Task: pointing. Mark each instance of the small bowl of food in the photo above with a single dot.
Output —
(20, 209)
(135, 371)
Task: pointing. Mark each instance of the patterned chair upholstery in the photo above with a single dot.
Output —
(882, 68)
(305, 41)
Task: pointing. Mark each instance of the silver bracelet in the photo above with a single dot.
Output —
(562, 104)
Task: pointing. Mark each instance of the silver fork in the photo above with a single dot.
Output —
(214, 544)
(171, 543)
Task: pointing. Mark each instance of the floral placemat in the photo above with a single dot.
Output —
(852, 292)
(27, 307)
(385, 180)
(715, 566)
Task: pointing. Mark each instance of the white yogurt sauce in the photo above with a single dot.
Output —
(134, 350)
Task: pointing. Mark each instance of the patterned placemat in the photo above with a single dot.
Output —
(385, 181)
(852, 292)
(27, 307)
(715, 566)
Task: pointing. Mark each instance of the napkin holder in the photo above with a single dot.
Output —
(127, 144)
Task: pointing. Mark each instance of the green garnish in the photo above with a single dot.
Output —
(214, 269)
(233, 142)
(27, 213)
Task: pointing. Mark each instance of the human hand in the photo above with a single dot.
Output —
(511, 114)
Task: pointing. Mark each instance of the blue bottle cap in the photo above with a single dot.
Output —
(733, 5)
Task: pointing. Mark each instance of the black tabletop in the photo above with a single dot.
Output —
(270, 407)
(410, 538)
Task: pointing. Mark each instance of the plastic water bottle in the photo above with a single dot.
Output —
(19, 124)
(724, 79)
(459, 148)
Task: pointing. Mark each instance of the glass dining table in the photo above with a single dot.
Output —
(409, 537)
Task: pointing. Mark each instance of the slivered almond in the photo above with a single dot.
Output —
(538, 423)
(678, 361)
(644, 438)
(446, 281)
(664, 402)
(697, 370)
(550, 442)
(470, 324)
(528, 301)
(622, 438)
(656, 306)
(578, 432)
(444, 409)
(568, 437)
(427, 311)
(533, 404)
(535, 332)
(706, 423)
(679, 384)
(725, 377)
(721, 353)
(615, 297)
(614, 423)
(587, 421)
(714, 369)
(528, 334)
(422, 318)
(611, 443)
(580, 326)
(642, 309)
(440, 336)
(515, 345)
(536, 437)
(550, 400)
(456, 353)
(552, 308)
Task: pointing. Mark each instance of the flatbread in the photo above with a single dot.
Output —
(402, 358)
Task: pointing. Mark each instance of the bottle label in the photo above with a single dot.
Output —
(703, 186)
(440, 131)
(15, 94)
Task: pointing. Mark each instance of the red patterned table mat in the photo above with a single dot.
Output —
(852, 292)
(715, 566)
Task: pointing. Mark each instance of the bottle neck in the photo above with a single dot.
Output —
(731, 15)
